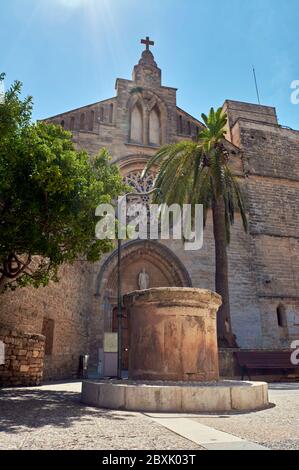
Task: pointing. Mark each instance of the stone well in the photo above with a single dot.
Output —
(173, 362)
(173, 334)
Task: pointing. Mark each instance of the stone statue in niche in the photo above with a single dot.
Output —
(143, 280)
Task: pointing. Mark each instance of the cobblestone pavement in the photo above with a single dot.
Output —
(52, 417)
(275, 428)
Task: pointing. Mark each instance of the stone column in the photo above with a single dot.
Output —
(172, 334)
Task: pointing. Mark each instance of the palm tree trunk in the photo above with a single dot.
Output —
(225, 334)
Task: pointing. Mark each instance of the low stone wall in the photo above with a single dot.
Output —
(176, 397)
(24, 358)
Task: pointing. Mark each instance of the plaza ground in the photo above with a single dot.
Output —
(52, 417)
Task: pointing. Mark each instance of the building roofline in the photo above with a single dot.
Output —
(77, 109)
(248, 103)
(192, 117)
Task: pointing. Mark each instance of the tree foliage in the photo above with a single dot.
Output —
(198, 172)
(48, 195)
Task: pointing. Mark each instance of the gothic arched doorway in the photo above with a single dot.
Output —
(162, 267)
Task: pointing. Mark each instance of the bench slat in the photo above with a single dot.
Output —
(265, 360)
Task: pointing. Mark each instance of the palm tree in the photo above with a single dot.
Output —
(197, 172)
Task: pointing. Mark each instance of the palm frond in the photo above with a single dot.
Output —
(198, 173)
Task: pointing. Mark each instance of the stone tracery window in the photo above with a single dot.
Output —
(146, 120)
(139, 184)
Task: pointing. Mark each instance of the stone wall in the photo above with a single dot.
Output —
(24, 358)
(67, 304)
(272, 188)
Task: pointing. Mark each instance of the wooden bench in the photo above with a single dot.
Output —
(261, 360)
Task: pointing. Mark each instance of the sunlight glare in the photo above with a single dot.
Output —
(74, 3)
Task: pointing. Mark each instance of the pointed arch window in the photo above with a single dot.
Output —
(102, 114)
(155, 127)
(136, 131)
(111, 113)
(82, 121)
(91, 121)
(180, 124)
(72, 123)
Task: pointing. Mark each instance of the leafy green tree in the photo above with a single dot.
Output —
(48, 195)
(197, 172)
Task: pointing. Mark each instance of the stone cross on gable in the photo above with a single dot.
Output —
(147, 42)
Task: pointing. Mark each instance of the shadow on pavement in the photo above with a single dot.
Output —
(21, 409)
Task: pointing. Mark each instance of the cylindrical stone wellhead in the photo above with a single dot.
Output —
(172, 334)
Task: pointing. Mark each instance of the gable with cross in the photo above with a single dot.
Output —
(147, 72)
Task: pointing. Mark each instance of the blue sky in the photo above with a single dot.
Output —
(68, 53)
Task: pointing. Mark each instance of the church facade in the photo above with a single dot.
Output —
(263, 264)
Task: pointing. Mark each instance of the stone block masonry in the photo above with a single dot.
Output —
(66, 306)
(263, 264)
(24, 358)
